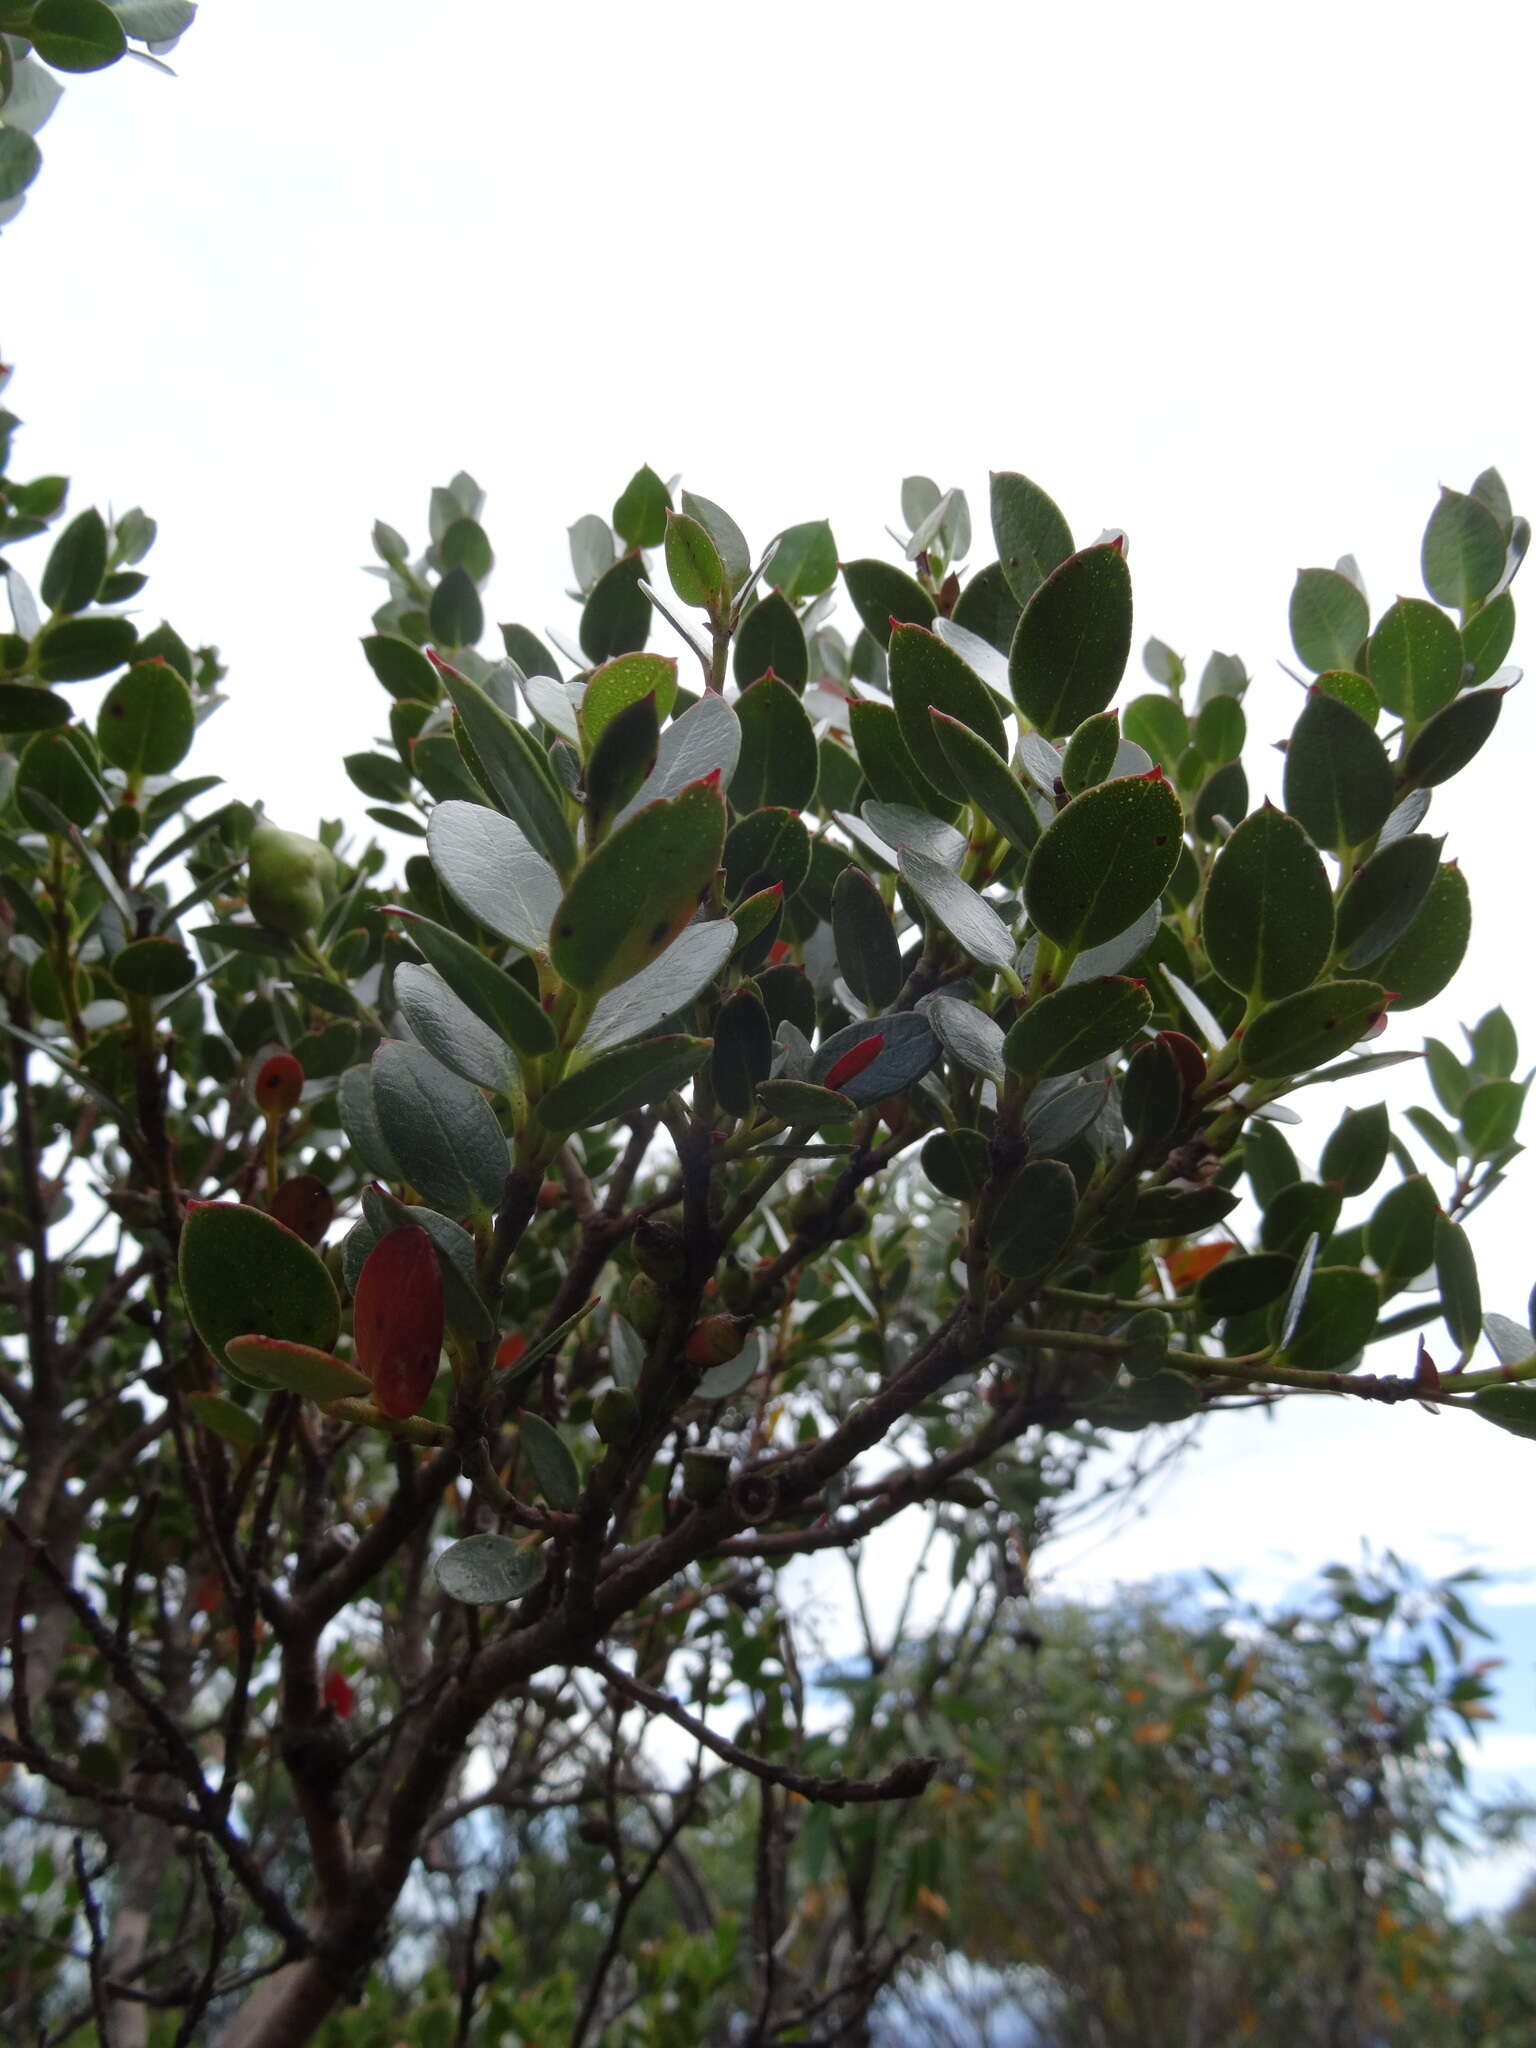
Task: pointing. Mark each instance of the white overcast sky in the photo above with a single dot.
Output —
(1247, 282)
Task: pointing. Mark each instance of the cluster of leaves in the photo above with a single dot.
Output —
(494, 1270)
(41, 37)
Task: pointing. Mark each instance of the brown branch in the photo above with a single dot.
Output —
(908, 1778)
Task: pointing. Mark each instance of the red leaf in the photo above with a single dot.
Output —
(338, 1695)
(854, 1061)
(397, 1319)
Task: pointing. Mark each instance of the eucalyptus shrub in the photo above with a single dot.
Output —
(798, 1074)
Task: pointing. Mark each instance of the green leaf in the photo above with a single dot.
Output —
(1352, 690)
(615, 1083)
(927, 675)
(1494, 1045)
(1338, 780)
(804, 1106)
(439, 1131)
(1051, 1126)
(640, 513)
(867, 950)
(1267, 925)
(622, 682)
(887, 761)
(1463, 554)
(1033, 1221)
(486, 1571)
(242, 1272)
(1152, 1094)
(146, 720)
(153, 967)
(549, 1458)
(1178, 1212)
(1444, 744)
(592, 551)
(1032, 537)
(743, 1054)
(56, 767)
(766, 847)
(1329, 620)
(771, 637)
(1089, 755)
(466, 545)
(1415, 659)
(1061, 1032)
(29, 709)
(967, 1034)
(1400, 1235)
(77, 650)
(1512, 1408)
(1157, 725)
(403, 669)
(988, 608)
(616, 618)
(966, 915)
(1488, 635)
(218, 1413)
(882, 594)
(620, 762)
(1490, 1117)
(730, 542)
(494, 996)
(1310, 1027)
(1461, 1299)
(705, 741)
(1073, 641)
(804, 562)
(1104, 860)
(515, 774)
(1385, 897)
(1296, 1297)
(454, 612)
(295, 1368)
(76, 564)
(20, 162)
(637, 892)
(1435, 1135)
(1336, 1320)
(1426, 957)
(1239, 1285)
(1356, 1150)
(488, 867)
(693, 564)
(987, 781)
(452, 1032)
(154, 21)
(779, 762)
(76, 35)
(958, 1163)
(530, 654)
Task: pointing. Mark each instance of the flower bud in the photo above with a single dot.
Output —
(642, 1306)
(704, 1475)
(278, 1085)
(715, 1341)
(288, 878)
(616, 1416)
(659, 1250)
(397, 1319)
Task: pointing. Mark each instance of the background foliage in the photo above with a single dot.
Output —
(838, 1071)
